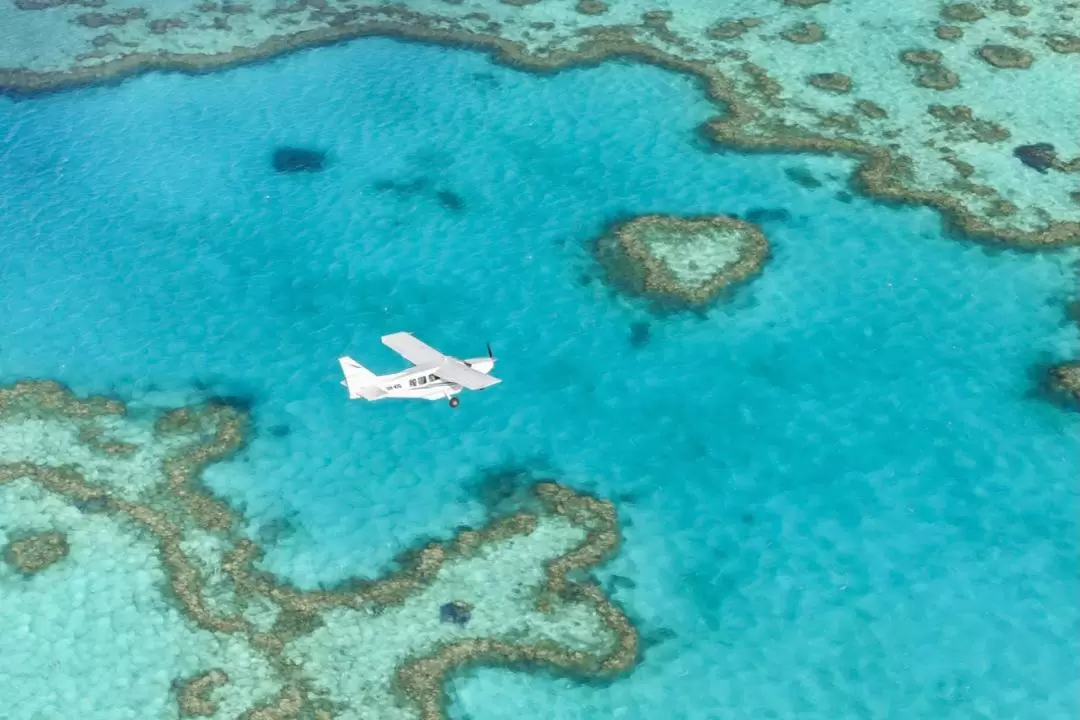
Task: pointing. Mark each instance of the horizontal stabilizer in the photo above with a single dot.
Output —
(465, 376)
(415, 351)
(361, 382)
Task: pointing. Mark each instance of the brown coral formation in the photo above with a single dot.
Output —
(948, 32)
(845, 123)
(591, 7)
(731, 29)
(831, 82)
(963, 169)
(97, 20)
(34, 553)
(932, 74)
(212, 432)
(683, 262)
(750, 123)
(1043, 157)
(804, 33)
(962, 12)
(920, 57)
(1063, 43)
(422, 680)
(1005, 57)
(1012, 7)
(104, 40)
(886, 174)
(938, 78)
(164, 25)
(47, 4)
(1002, 208)
(94, 438)
(289, 704)
(763, 85)
(193, 695)
(871, 109)
(1065, 378)
(961, 124)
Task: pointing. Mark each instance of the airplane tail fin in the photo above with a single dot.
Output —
(359, 380)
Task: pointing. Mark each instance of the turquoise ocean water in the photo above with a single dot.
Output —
(841, 497)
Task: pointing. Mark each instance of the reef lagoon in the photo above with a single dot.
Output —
(841, 489)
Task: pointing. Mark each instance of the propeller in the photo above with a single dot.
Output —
(490, 355)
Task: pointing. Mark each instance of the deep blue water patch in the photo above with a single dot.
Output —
(298, 160)
(762, 216)
(803, 177)
(450, 200)
(640, 333)
(864, 400)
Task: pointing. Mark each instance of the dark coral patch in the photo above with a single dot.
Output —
(456, 612)
(36, 551)
(279, 431)
(1005, 57)
(640, 334)
(1040, 156)
(451, 201)
(295, 160)
(803, 177)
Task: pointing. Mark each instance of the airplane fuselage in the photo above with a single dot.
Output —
(421, 381)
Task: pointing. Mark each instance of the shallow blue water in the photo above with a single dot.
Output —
(841, 498)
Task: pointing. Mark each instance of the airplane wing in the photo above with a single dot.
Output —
(465, 376)
(413, 350)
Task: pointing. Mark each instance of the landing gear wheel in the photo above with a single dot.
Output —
(454, 402)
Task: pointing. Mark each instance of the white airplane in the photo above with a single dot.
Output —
(434, 376)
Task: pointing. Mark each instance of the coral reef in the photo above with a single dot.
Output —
(1065, 378)
(730, 29)
(959, 124)
(962, 12)
(455, 611)
(591, 7)
(833, 82)
(948, 32)
(932, 74)
(1040, 156)
(1003, 56)
(771, 105)
(681, 261)
(1063, 43)
(34, 553)
(804, 33)
(499, 594)
(193, 694)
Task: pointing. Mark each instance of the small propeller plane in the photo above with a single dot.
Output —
(434, 376)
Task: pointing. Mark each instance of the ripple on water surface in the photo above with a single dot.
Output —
(841, 499)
